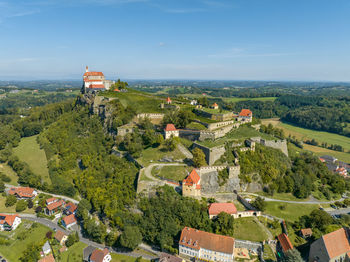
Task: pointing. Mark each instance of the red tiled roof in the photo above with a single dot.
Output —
(52, 199)
(336, 243)
(59, 235)
(168, 99)
(192, 178)
(170, 127)
(245, 112)
(9, 219)
(93, 74)
(96, 86)
(217, 208)
(55, 205)
(97, 255)
(285, 242)
(22, 191)
(306, 231)
(116, 90)
(197, 239)
(322, 159)
(215, 105)
(69, 219)
(48, 258)
(71, 207)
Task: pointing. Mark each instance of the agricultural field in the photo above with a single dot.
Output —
(29, 151)
(246, 228)
(320, 136)
(289, 211)
(26, 233)
(177, 173)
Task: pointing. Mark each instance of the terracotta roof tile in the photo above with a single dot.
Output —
(8, 219)
(170, 127)
(306, 231)
(245, 112)
(97, 86)
(192, 178)
(93, 74)
(217, 208)
(55, 205)
(337, 243)
(197, 239)
(71, 207)
(97, 255)
(69, 219)
(285, 242)
(22, 191)
(59, 235)
(48, 258)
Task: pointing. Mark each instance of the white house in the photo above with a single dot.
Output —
(170, 130)
(9, 222)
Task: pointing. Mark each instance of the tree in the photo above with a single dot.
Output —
(21, 205)
(10, 201)
(198, 157)
(292, 255)
(170, 143)
(38, 209)
(320, 219)
(259, 203)
(131, 237)
(49, 234)
(2, 187)
(223, 224)
(30, 203)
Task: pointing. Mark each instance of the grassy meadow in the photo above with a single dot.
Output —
(177, 173)
(289, 211)
(320, 136)
(74, 253)
(8, 171)
(152, 154)
(247, 228)
(29, 151)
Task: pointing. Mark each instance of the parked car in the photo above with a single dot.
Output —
(321, 208)
(333, 206)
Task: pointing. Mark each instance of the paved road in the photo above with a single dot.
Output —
(341, 211)
(315, 201)
(52, 225)
(54, 195)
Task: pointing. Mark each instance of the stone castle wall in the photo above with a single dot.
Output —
(151, 115)
(211, 154)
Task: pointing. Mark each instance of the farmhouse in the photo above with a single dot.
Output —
(170, 130)
(9, 222)
(206, 246)
(69, 221)
(331, 247)
(95, 81)
(23, 192)
(284, 243)
(229, 208)
(245, 115)
(191, 185)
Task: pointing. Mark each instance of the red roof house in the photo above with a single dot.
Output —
(245, 113)
(99, 255)
(23, 192)
(9, 222)
(69, 221)
(285, 243)
(191, 184)
(170, 130)
(168, 100)
(54, 207)
(216, 208)
(192, 179)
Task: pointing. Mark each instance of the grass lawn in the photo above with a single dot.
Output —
(268, 254)
(4, 209)
(320, 136)
(247, 229)
(196, 126)
(291, 212)
(74, 253)
(177, 173)
(29, 151)
(123, 258)
(7, 170)
(214, 111)
(31, 235)
(268, 223)
(281, 196)
(152, 154)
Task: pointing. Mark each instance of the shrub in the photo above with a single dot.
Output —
(21, 205)
(10, 201)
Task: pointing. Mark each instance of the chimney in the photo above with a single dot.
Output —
(87, 69)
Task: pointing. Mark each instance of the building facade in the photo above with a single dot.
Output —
(170, 130)
(191, 185)
(9, 222)
(95, 81)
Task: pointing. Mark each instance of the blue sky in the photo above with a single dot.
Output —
(176, 39)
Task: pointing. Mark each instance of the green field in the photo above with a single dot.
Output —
(177, 173)
(123, 258)
(320, 136)
(29, 234)
(74, 253)
(152, 154)
(29, 151)
(246, 228)
(196, 126)
(237, 99)
(214, 111)
(291, 212)
(7, 170)
(4, 209)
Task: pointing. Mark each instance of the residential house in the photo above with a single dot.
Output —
(214, 106)
(165, 257)
(332, 247)
(194, 102)
(306, 232)
(9, 222)
(245, 115)
(170, 130)
(230, 208)
(46, 248)
(48, 258)
(69, 221)
(54, 207)
(61, 237)
(87, 252)
(99, 255)
(168, 101)
(23, 192)
(191, 184)
(51, 200)
(206, 246)
(70, 208)
(284, 243)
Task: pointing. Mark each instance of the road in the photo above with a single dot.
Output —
(54, 195)
(315, 201)
(341, 211)
(52, 225)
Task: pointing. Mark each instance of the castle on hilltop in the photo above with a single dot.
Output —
(95, 81)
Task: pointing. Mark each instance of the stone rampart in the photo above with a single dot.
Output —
(211, 154)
